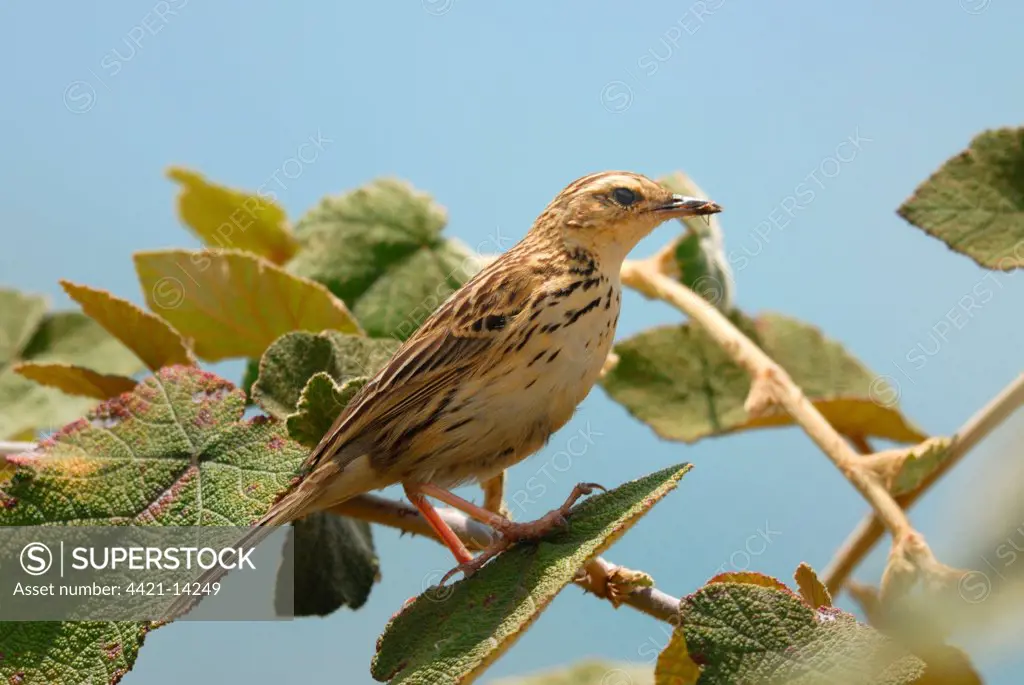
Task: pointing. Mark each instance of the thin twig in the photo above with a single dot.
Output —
(595, 578)
(870, 530)
(771, 386)
(15, 447)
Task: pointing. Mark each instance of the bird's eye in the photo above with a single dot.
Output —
(624, 196)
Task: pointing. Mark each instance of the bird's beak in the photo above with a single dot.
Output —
(681, 205)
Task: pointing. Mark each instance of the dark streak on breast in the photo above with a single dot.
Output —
(589, 307)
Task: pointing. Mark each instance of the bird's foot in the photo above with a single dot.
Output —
(512, 532)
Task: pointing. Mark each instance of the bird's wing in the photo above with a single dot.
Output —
(462, 337)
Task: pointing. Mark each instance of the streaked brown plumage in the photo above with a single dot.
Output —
(501, 365)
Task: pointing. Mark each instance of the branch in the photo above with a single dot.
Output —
(976, 429)
(599, 577)
(771, 386)
(15, 447)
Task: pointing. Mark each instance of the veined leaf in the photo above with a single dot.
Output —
(234, 304)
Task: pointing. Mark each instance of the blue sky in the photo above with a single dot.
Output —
(493, 109)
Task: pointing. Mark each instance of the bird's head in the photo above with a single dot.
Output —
(608, 213)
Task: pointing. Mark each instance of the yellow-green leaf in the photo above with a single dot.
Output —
(234, 304)
(231, 219)
(975, 202)
(680, 382)
(919, 464)
(675, 667)
(450, 634)
(154, 340)
(75, 380)
(20, 315)
(813, 591)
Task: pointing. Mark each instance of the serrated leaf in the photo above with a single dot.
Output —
(741, 633)
(680, 382)
(975, 202)
(812, 590)
(140, 459)
(234, 304)
(697, 259)
(294, 358)
(53, 653)
(334, 565)
(151, 338)
(379, 248)
(20, 315)
(226, 218)
(750, 578)
(587, 672)
(75, 380)
(60, 338)
(674, 665)
(450, 634)
(319, 405)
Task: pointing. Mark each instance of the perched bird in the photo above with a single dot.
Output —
(497, 368)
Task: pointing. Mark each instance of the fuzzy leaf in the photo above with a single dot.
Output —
(379, 248)
(680, 382)
(750, 578)
(587, 672)
(812, 590)
(60, 338)
(69, 653)
(697, 259)
(294, 358)
(151, 338)
(75, 380)
(335, 565)
(233, 304)
(226, 218)
(450, 634)
(141, 458)
(975, 202)
(743, 633)
(319, 405)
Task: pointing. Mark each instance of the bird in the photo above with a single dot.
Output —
(500, 366)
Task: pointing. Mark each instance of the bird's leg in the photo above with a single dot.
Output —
(414, 492)
(494, 494)
(509, 529)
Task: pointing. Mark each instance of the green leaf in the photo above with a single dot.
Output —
(919, 464)
(147, 335)
(379, 248)
(319, 405)
(69, 653)
(975, 202)
(226, 218)
(233, 304)
(587, 672)
(20, 315)
(60, 338)
(680, 382)
(141, 458)
(75, 380)
(698, 259)
(335, 565)
(743, 633)
(450, 634)
(293, 359)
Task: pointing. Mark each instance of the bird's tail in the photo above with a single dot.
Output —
(327, 486)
